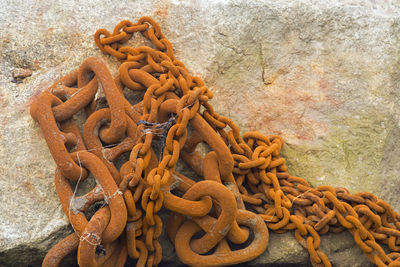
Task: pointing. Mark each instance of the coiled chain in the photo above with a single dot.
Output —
(246, 188)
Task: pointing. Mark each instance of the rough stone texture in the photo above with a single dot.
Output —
(326, 76)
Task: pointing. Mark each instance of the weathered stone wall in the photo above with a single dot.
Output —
(323, 74)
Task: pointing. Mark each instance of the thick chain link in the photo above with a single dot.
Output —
(246, 186)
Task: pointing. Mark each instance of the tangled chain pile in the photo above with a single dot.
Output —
(221, 220)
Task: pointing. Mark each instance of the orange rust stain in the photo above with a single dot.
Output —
(31, 190)
(36, 64)
(3, 102)
(3, 125)
(272, 79)
(162, 11)
(294, 105)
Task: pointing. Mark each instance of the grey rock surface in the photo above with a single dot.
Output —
(324, 75)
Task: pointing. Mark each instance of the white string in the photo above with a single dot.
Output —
(74, 194)
(77, 91)
(298, 196)
(107, 198)
(272, 216)
(81, 174)
(85, 237)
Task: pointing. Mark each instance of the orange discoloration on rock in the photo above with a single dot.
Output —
(32, 192)
(3, 102)
(297, 103)
(272, 79)
(30, 188)
(162, 11)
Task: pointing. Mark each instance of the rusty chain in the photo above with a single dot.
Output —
(246, 187)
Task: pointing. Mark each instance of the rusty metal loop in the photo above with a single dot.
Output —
(226, 200)
(115, 100)
(55, 255)
(41, 110)
(222, 256)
